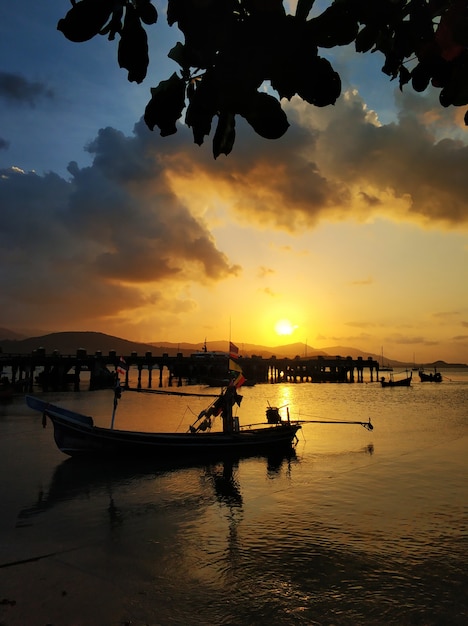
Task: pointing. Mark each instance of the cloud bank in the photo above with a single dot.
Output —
(15, 89)
(133, 229)
(340, 163)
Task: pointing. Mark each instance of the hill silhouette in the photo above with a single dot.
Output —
(5, 333)
(69, 342)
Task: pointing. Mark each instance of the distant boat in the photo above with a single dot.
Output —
(225, 375)
(204, 353)
(383, 367)
(401, 382)
(432, 377)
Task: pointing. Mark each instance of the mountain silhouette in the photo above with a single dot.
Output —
(67, 343)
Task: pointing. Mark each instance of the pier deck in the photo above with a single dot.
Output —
(53, 371)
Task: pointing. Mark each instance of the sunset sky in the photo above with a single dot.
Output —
(351, 230)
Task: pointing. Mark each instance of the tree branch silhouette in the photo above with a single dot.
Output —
(232, 47)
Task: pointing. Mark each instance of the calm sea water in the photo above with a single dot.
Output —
(356, 527)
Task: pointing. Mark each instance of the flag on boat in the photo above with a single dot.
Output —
(240, 378)
(239, 381)
(233, 350)
(234, 367)
(122, 367)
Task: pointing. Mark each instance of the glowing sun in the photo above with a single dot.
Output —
(284, 327)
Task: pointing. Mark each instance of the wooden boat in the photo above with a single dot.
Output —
(401, 382)
(75, 434)
(432, 377)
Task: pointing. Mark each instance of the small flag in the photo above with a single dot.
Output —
(239, 381)
(233, 350)
(240, 378)
(122, 367)
(234, 367)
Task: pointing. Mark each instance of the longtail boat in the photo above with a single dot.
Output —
(76, 434)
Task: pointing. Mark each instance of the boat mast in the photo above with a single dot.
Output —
(117, 396)
(229, 398)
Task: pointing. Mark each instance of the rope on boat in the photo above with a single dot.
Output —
(367, 425)
(172, 393)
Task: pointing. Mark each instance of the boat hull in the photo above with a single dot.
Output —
(76, 435)
(435, 377)
(403, 382)
(397, 383)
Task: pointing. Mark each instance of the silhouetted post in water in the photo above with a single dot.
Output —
(31, 379)
(76, 382)
(14, 371)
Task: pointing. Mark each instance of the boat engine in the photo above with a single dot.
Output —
(272, 415)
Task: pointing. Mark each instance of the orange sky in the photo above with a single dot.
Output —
(370, 254)
(352, 227)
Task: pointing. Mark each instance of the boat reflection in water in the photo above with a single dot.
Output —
(80, 478)
(352, 527)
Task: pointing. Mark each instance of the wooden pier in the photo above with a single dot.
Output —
(323, 369)
(57, 371)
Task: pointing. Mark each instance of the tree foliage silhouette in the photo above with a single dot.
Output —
(231, 47)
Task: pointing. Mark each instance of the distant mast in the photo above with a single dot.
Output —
(383, 367)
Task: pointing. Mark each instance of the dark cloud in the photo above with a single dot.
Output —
(264, 272)
(446, 314)
(125, 200)
(340, 163)
(412, 340)
(274, 182)
(90, 247)
(15, 89)
(4, 144)
(405, 170)
(363, 281)
(118, 235)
